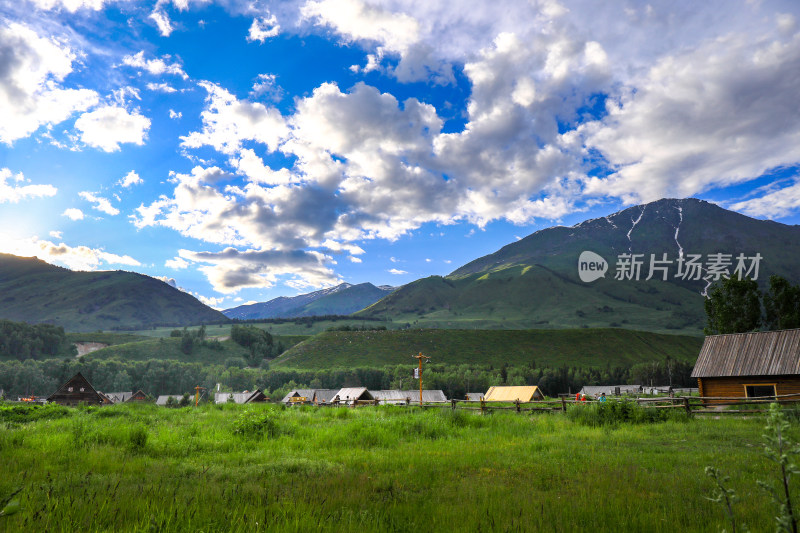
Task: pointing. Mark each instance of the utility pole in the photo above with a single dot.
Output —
(197, 395)
(418, 373)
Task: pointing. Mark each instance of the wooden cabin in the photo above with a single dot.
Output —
(138, 396)
(77, 391)
(747, 365)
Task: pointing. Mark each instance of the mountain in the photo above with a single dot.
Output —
(36, 292)
(535, 281)
(343, 299)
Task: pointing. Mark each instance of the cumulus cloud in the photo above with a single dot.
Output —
(162, 88)
(227, 122)
(32, 69)
(266, 85)
(720, 114)
(396, 271)
(231, 269)
(72, 257)
(101, 204)
(774, 204)
(17, 190)
(106, 127)
(131, 178)
(56, 234)
(264, 28)
(174, 115)
(156, 67)
(73, 214)
(176, 263)
(71, 5)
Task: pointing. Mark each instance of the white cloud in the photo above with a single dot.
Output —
(169, 281)
(723, 113)
(231, 270)
(131, 178)
(175, 115)
(14, 192)
(101, 204)
(106, 127)
(264, 28)
(164, 25)
(73, 213)
(73, 257)
(210, 300)
(156, 67)
(775, 204)
(161, 88)
(56, 234)
(176, 263)
(228, 121)
(355, 259)
(396, 271)
(32, 69)
(266, 85)
(71, 5)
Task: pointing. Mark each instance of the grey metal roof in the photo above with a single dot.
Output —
(349, 394)
(324, 395)
(427, 395)
(474, 396)
(162, 400)
(761, 353)
(119, 397)
(610, 390)
(238, 397)
(300, 393)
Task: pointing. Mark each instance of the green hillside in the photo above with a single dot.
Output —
(534, 282)
(35, 292)
(582, 347)
(170, 349)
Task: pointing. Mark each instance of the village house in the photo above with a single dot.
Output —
(76, 391)
(403, 397)
(240, 397)
(749, 365)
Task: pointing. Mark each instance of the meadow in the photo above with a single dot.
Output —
(268, 468)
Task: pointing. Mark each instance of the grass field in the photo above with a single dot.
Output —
(576, 347)
(263, 468)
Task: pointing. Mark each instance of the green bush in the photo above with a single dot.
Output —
(137, 438)
(613, 413)
(251, 424)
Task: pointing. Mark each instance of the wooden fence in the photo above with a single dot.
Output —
(691, 404)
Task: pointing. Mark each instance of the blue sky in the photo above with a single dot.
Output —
(245, 150)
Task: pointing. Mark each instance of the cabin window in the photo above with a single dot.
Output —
(755, 391)
(69, 389)
(82, 389)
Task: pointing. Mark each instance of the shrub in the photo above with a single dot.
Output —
(612, 413)
(137, 438)
(252, 424)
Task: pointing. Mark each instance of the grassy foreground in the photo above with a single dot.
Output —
(263, 468)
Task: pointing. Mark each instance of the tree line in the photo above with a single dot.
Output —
(156, 377)
(33, 341)
(737, 305)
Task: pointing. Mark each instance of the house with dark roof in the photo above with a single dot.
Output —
(76, 391)
(240, 397)
(749, 365)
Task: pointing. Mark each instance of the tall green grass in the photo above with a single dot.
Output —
(268, 468)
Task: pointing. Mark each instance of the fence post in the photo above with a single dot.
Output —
(686, 405)
(483, 406)
(453, 404)
(563, 404)
(517, 402)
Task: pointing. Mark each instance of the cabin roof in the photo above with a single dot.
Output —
(760, 353)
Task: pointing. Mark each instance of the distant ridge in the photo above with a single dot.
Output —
(343, 299)
(36, 292)
(534, 282)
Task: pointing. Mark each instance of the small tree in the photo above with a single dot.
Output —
(782, 304)
(733, 306)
